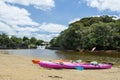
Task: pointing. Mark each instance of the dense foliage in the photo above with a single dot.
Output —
(14, 42)
(101, 32)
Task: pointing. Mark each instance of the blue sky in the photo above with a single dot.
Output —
(45, 19)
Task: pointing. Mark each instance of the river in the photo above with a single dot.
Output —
(68, 55)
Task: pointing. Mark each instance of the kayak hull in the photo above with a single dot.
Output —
(57, 65)
(69, 65)
(96, 66)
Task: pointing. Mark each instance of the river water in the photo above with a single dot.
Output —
(68, 55)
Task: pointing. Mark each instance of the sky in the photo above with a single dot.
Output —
(45, 19)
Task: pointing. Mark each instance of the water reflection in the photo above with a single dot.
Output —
(37, 53)
(96, 56)
(69, 55)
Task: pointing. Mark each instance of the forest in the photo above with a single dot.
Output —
(14, 42)
(102, 32)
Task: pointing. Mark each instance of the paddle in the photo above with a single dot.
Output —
(79, 68)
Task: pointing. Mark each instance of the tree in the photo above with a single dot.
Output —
(39, 42)
(33, 40)
(25, 38)
(102, 32)
(4, 40)
(15, 42)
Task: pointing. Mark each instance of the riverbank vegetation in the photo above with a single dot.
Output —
(13, 42)
(101, 32)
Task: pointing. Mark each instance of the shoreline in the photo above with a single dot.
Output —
(15, 67)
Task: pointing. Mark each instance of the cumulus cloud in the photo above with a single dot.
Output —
(17, 21)
(116, 17)
(39, 4)
(74, 20)
(112, 5)
(53, 28)
(46, 37)
(14, 15)
(12, 18)
(5, 28)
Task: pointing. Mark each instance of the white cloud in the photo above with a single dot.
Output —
(14, 15)
(16, 30)
(12, 18)
(5, 28)
(116, 17)
(50, 27)
(39, 4)
(16, 21)
(46, 37)
(74, 20)
(112, 5)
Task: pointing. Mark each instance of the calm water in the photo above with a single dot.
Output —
(69, 55)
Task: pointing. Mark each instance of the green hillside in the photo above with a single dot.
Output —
(101, 32)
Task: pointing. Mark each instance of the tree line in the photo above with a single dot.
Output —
(101, 32)
(14, 42)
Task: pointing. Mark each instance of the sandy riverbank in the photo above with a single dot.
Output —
(14, 67)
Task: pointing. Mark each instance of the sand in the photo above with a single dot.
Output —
(14, 67)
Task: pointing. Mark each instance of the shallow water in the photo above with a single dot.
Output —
(69, 55)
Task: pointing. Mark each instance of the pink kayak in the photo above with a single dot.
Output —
(57, 65)
(95, 66)
(69, 65)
